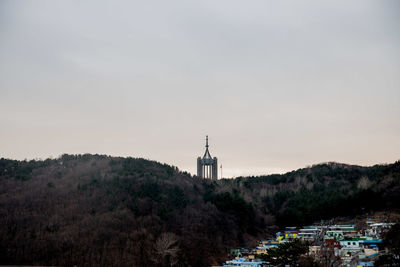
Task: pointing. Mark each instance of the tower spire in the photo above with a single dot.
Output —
(207, 153)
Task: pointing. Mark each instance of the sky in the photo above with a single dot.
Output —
(276, 85)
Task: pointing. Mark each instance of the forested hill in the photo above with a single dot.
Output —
(100, 211)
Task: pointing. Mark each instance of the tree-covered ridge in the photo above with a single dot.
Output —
(325, 191)
(101, 210)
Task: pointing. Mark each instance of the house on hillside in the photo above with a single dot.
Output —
(375, 230)
(240, 252)
(308, 234)
(334, 234)
(352, 243)
(244, 262)
(373, 243)
(263, 246)
(290, 233)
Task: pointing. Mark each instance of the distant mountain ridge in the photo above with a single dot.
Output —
(101, 210)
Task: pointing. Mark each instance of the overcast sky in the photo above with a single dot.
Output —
(277, 85)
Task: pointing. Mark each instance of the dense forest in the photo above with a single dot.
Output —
(95, 210)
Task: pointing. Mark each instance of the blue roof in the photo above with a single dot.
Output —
(368, 263)
(241, 261)
(373, 241)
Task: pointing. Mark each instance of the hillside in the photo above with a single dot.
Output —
(100, 210)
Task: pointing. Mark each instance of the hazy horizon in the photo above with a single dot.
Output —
(276, 86)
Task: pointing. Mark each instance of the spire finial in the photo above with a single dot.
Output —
(206, 140)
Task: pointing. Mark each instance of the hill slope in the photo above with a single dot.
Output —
(100, 210)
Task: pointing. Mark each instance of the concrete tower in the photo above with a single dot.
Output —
(207, 167)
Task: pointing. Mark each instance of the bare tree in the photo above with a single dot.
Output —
(364, 183)
(326, 257)
(166, 249)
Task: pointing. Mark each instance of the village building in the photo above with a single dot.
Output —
(349, 246)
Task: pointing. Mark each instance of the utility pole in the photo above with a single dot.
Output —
(221, 172)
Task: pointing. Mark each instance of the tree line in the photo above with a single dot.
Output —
(101, 210)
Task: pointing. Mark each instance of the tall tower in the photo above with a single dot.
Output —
(207, 167)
